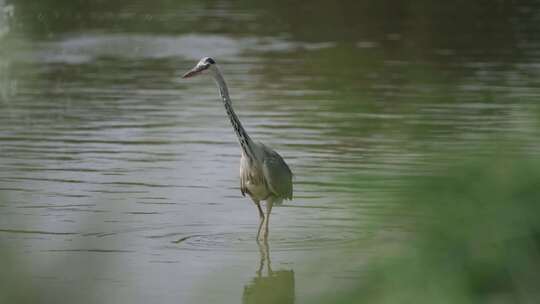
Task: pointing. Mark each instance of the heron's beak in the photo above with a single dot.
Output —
(196, 70)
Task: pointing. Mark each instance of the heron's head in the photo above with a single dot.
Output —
(205, 64)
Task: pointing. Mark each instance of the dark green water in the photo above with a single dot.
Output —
(108, 159)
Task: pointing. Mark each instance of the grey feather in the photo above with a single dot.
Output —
(277, 174)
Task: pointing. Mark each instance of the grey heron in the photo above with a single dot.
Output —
(264, 175)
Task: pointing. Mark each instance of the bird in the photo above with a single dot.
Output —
(264, 175)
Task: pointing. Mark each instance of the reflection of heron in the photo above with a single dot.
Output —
(276, 287)
(264, 175)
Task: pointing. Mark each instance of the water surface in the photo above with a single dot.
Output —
(119, 176)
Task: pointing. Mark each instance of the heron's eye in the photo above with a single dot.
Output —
(210, 60)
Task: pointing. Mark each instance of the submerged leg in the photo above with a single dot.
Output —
(262, 258)
(264, 250)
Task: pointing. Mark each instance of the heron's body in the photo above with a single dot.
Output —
(264, 175)
(252, 180)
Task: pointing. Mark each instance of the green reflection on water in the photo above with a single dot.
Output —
(269, 286)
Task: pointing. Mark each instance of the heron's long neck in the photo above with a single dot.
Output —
(243, 138)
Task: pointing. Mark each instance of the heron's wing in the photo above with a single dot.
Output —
(277, 174)
(243, 187)
(244, 175)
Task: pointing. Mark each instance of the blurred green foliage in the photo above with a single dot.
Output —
(475, 239)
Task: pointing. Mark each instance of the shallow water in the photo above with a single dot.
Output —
(119, 176)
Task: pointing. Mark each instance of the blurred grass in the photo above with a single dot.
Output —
(475, 239)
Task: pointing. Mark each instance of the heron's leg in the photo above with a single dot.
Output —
(258, 204)
(261, 216)
(261, 223)
(263, 235)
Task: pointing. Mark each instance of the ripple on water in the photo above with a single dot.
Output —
(242, 242)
